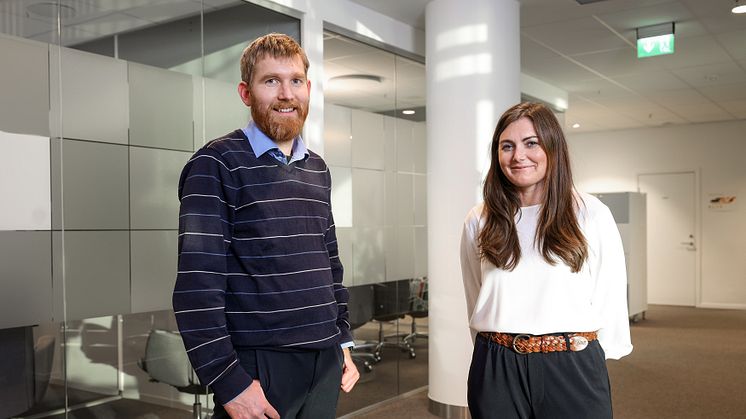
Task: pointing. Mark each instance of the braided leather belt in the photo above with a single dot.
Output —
(526, 344)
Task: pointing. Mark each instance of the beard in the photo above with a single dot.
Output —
(279, 128)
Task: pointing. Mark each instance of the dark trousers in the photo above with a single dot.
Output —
(557, 385)
(303, 385)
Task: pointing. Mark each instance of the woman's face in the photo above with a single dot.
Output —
(522, 160)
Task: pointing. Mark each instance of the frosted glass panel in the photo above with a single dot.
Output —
(25, 86)
(337, 134)
(389, 143)
(224, 110)
(419, 135)
(153, 269)
(95, 191)
(420, 252)
(390, 199)
(368, 263)
(26, 272)
(341, 195)
(399, 253)
(420, 200)
(154, 179)
(404, 200)
(405, 150)
(24, 184)
(160, 108)
(367, 198)
(344, 244)
(94, 97)
(367, 140)
(96, 273)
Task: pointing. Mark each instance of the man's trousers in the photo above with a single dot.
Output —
(298, 384)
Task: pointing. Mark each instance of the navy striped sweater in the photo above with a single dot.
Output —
(258, 263)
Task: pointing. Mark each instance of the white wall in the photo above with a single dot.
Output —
(610, 161)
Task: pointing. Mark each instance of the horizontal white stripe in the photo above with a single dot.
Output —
(213, 273)
(312, 171)
(200, 234)
(313, 341)
(278, 237)
(227, 168)
(198, 309)
(284, 310)
(290, 273)
(207, 196)
(281, 200)
(207, 343)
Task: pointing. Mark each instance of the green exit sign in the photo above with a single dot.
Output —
(655, 45)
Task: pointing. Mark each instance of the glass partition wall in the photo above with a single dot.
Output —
(103, 103)
(374, 143)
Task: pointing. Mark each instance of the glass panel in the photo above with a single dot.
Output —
(377, 155)
(103, 103)
(30, 343)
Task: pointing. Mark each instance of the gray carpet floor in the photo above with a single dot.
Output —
(687, 363)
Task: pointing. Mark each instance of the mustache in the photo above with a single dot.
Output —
(278, 104)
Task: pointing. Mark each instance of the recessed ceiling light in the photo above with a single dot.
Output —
(354, 82)
(408, 112)
(576, 125)
(50, 9)
(739, 7)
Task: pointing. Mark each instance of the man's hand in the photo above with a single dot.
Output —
(349, 372)
(251, 404)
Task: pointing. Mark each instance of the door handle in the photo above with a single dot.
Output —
(687, 243)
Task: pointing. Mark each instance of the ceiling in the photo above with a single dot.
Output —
(590, 51)
(587, 50)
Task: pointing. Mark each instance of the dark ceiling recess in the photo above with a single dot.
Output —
(588, 1)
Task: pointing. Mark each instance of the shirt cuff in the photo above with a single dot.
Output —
(347, 344)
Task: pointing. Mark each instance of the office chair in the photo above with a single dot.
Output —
(360, 308)
(391, 303)
(418, 307)
(166, 362)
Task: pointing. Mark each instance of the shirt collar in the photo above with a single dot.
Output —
(261, 143)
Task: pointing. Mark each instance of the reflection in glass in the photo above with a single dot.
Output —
(377, 158)
(106, 101)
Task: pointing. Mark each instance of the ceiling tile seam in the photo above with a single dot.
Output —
(139, 18)
(614, 111)
(603, 76)
(612, 30)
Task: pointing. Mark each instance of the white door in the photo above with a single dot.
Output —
(672, 243)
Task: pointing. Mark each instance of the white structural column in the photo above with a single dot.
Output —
(473, 75)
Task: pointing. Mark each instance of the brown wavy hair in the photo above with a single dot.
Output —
(558, 235)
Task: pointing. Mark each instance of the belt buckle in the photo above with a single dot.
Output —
(515, 339)
(578, 343)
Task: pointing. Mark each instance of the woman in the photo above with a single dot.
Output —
(545, 281)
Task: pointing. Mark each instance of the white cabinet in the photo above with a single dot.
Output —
(629, 213)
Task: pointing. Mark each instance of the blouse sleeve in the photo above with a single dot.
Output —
(471, 266)
(610, 294)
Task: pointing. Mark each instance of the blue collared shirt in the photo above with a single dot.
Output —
(261, 144)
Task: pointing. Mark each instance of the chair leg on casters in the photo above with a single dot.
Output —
(197, 408)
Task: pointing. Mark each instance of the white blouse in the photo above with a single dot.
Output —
(538, 298)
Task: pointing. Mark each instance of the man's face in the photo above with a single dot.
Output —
(278, 95)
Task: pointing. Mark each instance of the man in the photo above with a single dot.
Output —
(259, 298)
